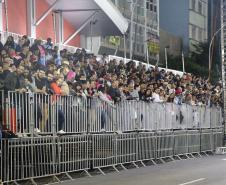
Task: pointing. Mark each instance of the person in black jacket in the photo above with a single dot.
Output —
(114, 92)
(9, 78)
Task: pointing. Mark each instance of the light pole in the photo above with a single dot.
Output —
(166, 57)
(210, 47)
(132, 8)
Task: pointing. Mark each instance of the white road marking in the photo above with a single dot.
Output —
(224, 159)
(194, 181)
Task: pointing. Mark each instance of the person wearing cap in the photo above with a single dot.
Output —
(179, 97)
(65, 68)
(48, 45)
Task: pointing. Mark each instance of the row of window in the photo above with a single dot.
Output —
(199, 6)
(197, 33)
(151, 5)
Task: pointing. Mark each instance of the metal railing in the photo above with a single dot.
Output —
(28, 158)
(157, 131)
(24, 112)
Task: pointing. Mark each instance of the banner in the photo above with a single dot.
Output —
(114, 40)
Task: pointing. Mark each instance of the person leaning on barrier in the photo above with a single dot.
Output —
(132, 93)
(106, 101)
(9, 77)
(56, 86)
(179, 97)
(114, 92)
(156, 97)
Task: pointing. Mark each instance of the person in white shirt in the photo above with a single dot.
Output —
(155, 96)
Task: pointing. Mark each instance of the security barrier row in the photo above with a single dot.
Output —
(27, 158)
(24, 112)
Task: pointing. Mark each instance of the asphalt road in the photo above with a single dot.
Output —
(202, 171)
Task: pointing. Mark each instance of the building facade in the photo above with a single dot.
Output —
(187, 19)
(170, 45)
(143, 16)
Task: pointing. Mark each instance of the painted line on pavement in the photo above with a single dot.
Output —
(194, 181)
(223, 159)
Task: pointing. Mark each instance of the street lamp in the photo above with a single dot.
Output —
(210, 46)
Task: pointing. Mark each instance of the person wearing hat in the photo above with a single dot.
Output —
(179, 97)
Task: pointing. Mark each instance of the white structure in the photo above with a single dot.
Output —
(143, 17)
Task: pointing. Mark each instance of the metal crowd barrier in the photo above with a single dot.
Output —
(26, 158)
(25, 112)
(102, 116)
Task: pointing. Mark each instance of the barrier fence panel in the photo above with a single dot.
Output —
(218, 136)
(16, 159)
(24, 158)
(207, 140)
(177, 116)
(183, 116)
(127, 112)
(72, 153)
(196, 117)
(17, 112)
(193, 139)
(171, 112)
(180, 142)
(160, 116)
(102, 116)
(104, 150)
(127, 148)
(70, 114)
(43, 154)
(164, 144)
(146, 146)
(206, 117)
(216, 117)
(42, 113)
(147, 119)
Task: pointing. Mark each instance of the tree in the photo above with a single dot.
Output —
(197, 62)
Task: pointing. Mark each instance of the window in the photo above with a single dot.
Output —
(147, 5)
(155, 8)
(193, 4)
(151, 7)
(138, 48)
(200, 7)
(142, 48)
(200, 34)
(193, 32)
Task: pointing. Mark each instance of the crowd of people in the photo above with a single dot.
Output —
(43, 68)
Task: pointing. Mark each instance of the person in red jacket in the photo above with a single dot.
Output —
(56, 88)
